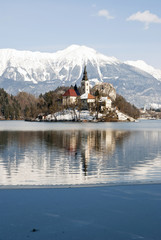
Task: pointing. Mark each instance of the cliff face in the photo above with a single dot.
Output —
(105, 89)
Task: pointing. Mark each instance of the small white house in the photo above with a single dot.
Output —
(106, 102)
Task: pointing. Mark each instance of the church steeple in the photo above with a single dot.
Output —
(85, 88)
(85, 78)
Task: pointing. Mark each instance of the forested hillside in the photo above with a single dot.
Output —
(25, 105)
(126, 107)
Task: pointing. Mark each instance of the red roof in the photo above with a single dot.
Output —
(70, 92)
(90, 96)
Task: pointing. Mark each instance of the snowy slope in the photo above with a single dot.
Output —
(37, 72)
(145, 67)
(25, 65)
(37, 67)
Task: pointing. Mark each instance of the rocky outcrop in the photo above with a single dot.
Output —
(105, 89)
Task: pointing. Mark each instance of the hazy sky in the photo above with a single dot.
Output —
(126, 29)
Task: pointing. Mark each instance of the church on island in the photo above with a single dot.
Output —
(81, 105)
(87, 100)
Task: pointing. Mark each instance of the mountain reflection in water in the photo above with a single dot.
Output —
(79, 157)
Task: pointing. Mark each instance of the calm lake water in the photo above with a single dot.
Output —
(79, 153)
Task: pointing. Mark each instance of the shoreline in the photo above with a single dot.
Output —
(70, 186)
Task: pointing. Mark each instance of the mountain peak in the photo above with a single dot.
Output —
(80, 50)
(37, 72)
(75, 47)
(81, 54)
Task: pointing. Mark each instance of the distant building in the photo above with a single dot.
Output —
(105, 103)
(69, 97)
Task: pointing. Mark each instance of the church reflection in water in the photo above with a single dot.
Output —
(86, 145)
(74, 157)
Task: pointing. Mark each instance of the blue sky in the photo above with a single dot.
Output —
(126, 29)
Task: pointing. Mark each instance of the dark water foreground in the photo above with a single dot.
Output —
(75, 153)
(120, 212)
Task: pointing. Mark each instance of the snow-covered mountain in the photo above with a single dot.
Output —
(145, 67)
(38, 67)
(37, 73)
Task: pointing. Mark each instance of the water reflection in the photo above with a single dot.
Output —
(79, 157)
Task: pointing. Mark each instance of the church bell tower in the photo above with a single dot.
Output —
(85, 82)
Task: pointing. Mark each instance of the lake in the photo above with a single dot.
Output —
(52, 154)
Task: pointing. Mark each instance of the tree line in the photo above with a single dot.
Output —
(25, 105)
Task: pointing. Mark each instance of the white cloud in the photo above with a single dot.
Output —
(146, 17)
(104, 13)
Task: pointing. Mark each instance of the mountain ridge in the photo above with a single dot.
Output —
(145, 67)
(38, 72)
